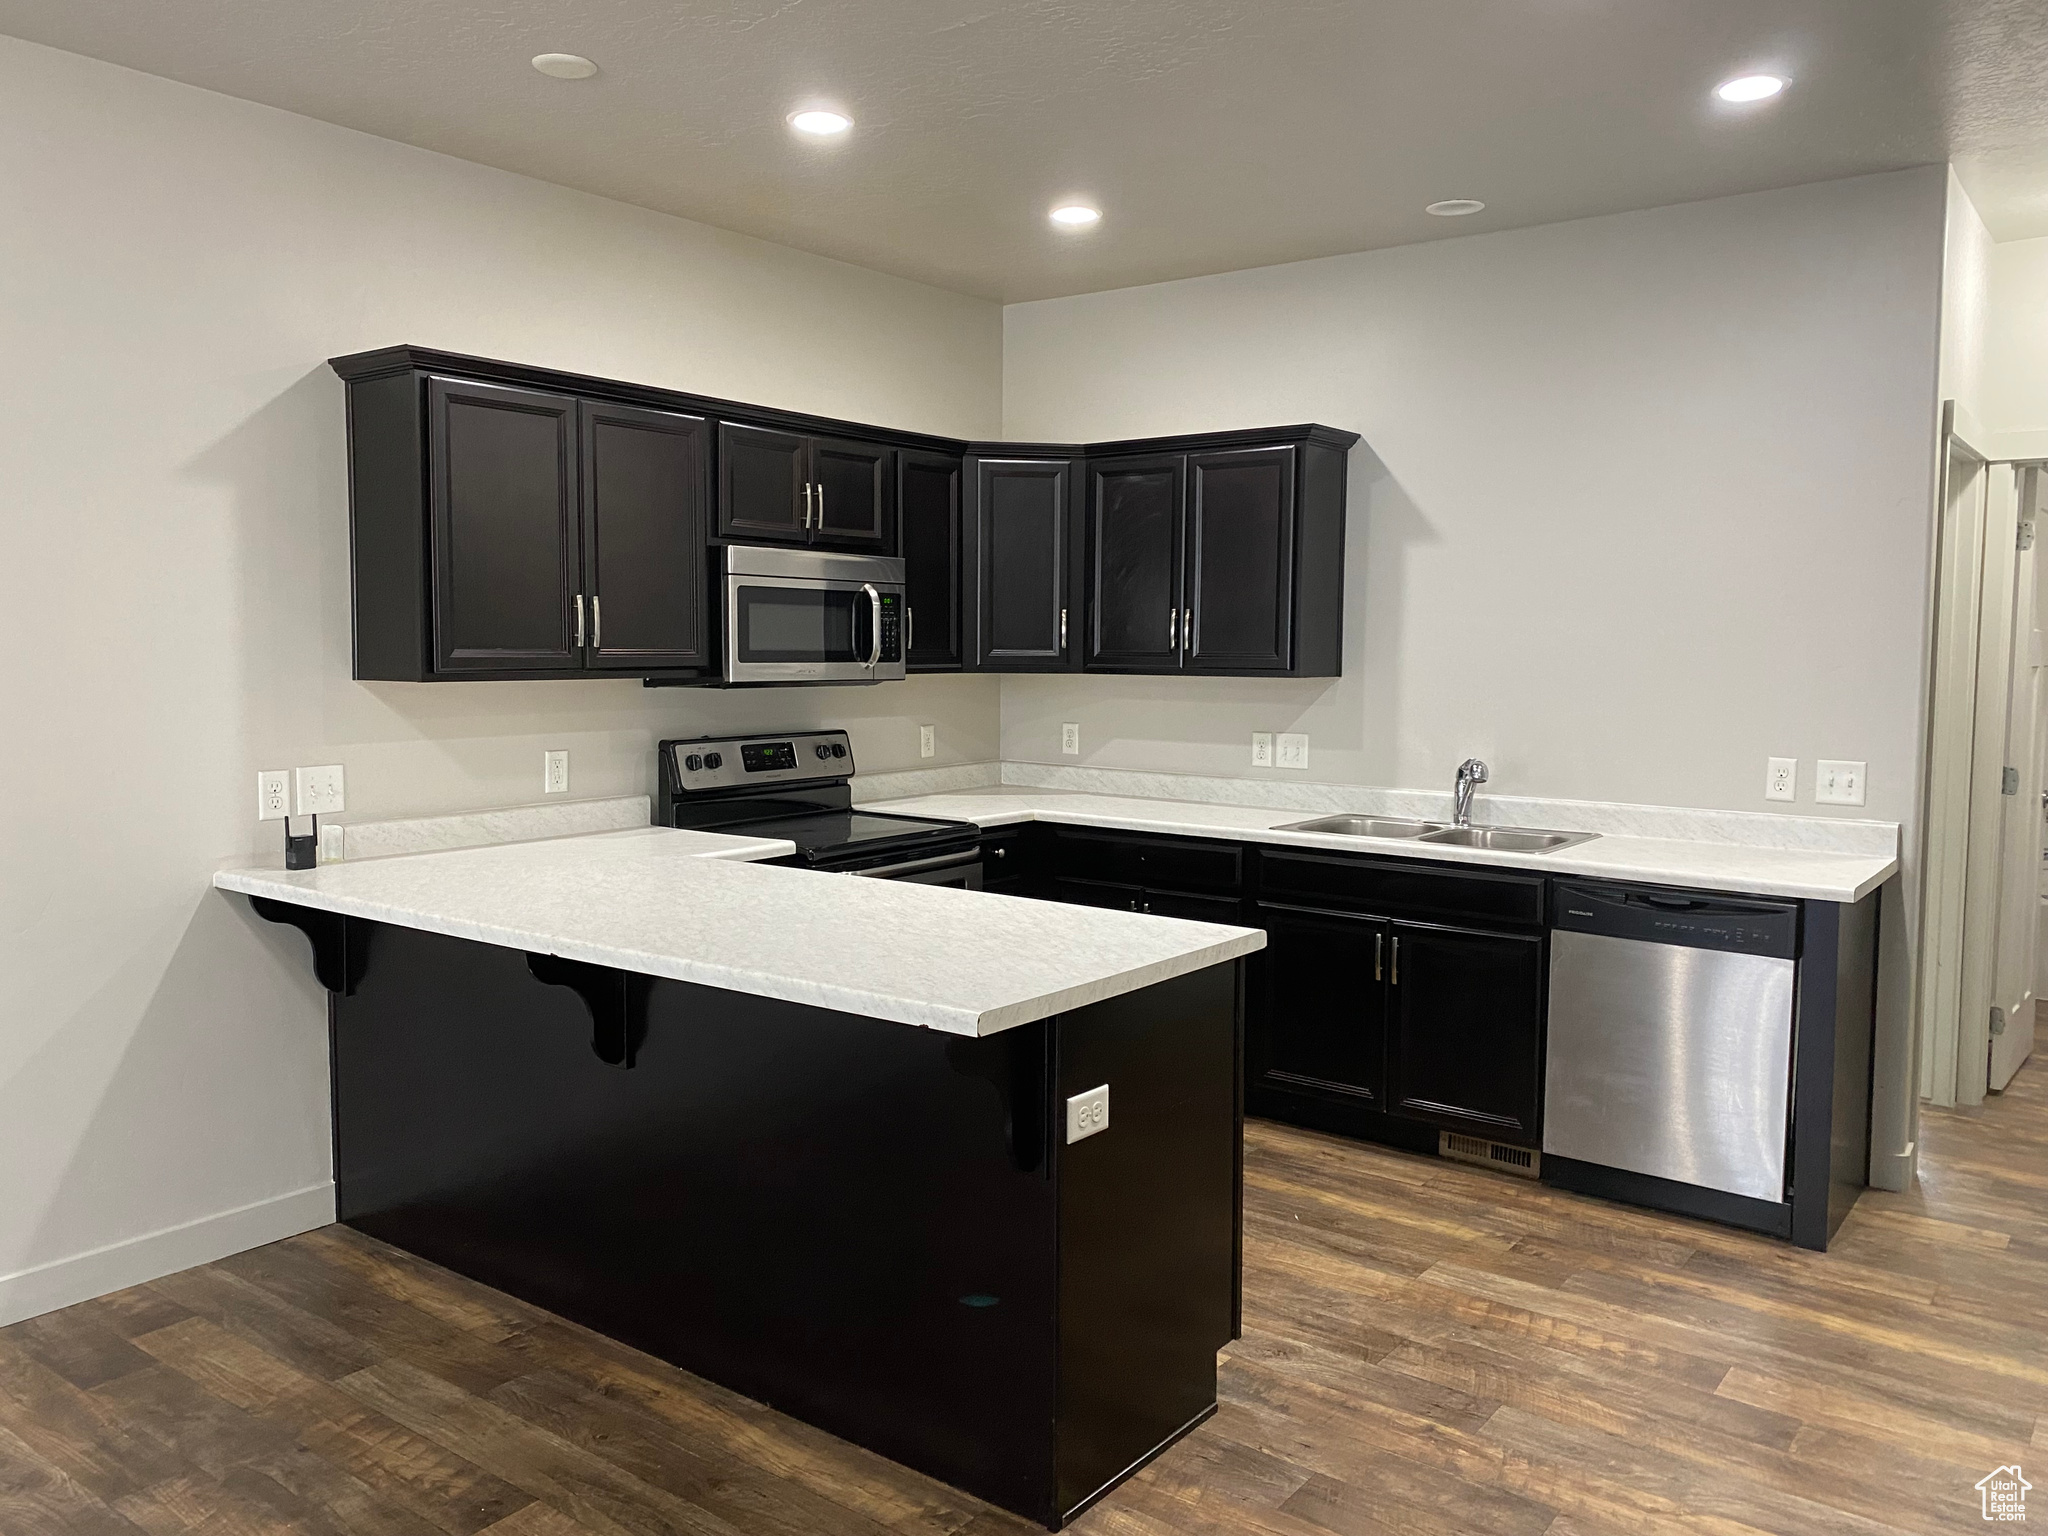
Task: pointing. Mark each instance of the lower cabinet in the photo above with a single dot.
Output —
(1319, 1013)
(1465, 1029)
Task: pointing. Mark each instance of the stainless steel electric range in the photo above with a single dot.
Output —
(795, 786)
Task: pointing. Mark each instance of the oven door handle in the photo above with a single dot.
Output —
(919, 866)
(875, 611)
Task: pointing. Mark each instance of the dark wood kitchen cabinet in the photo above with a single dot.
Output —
(1321, 1005)
(646, 477)
(1465, 1029)
(1022, 542)
(788, 488)
(1226, 558)
(928, 505)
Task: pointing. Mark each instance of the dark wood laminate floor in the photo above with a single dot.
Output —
(1428, 1350)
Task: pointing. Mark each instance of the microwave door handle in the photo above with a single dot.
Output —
(875, 613)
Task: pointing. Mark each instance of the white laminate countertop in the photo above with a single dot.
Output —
(689, 906)
(1807, 874)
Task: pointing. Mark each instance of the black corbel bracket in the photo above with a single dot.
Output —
(617, 1001)
(338, 955)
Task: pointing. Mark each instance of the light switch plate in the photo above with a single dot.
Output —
(1781, 778)
(1262, 749)
(320, 791)
(1293, 750)
(1838, 783)
(273, 794)
(927, 741)
(1070, 739)
(1087, 1114)
(554, 772)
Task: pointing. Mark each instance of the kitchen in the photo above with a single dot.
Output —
(1507, 591)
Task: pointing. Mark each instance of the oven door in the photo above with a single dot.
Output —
(782, 627)
(961, 869)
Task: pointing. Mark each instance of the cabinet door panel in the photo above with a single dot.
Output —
(503, 494)
(1021, 506)
(1465, 1042)
(1322, 1020)
(1091, 893)
(1134, 562)
(1241, 559)
(760, 484)
(646, 488)
(928, 504)
(853, 493)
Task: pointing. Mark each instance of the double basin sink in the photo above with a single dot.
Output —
(1496, 839)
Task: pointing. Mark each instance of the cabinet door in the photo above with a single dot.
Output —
(503, 505)
(928, 503)
(1465, 1045)
(761, 485)
(1134, 563)
(853, 494)
(646, 489)
(1021, 539)
(1322, 1019)
(1241, 560)
(1092, 893)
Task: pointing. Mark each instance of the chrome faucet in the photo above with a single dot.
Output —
(1471, 774)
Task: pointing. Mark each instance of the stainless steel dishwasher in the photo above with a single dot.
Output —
(1670, 1042)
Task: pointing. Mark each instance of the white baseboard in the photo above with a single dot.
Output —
(1894, 1170)
(64, 1282)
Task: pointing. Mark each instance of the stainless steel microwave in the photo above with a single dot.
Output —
(805, 616)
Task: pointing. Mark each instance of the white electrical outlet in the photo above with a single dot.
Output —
(1293, 750)
(273, 794)
(927, 741)
(1781, 778)
(554, 773)
(333, 844)
(1070, 739)
(1262, 749)
(1838, 783)
(1087, 1114)
(320, 791)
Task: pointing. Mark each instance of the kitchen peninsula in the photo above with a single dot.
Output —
(701, 1106)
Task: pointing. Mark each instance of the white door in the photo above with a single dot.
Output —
(2012, 1037)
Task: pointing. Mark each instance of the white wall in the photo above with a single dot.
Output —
(1965, 304)
(1641, 502)
(176, 266)
(2015, 389)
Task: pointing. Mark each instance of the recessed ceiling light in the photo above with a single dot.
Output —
(1075, 215)
(564, 66)
(1455, 207)
(1746, 88)
(820, 122)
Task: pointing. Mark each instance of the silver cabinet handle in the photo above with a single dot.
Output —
(1063, 629)
(596, 622)
(1187, 628)
(875, 608)
(1379, 944)
(909, 632)
(1172, 628)
(1396, 978)
(807, 505)
(821, 505)
(579, 621)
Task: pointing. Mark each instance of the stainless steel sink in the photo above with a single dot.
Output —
(1506, 839)
(1366, 826)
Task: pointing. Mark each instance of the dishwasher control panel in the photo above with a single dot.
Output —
(1691, 919)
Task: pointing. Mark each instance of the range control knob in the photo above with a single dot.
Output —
(693, 762)
(823, 750)
(713, 760)
(838, 749)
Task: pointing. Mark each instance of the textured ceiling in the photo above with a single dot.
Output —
(1215, 134)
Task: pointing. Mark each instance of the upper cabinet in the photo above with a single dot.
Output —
(1221, 559)
(785, 488)
(509, 521)
(1022, 535)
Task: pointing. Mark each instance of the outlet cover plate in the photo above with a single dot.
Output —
(1838, 783)
(273, 794)
(554, 772)
(320, 791)
(1070, 739)
(1293, 750)
(927, 741)
(1087, 1114)
(1781, 778)
(1262, 749)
